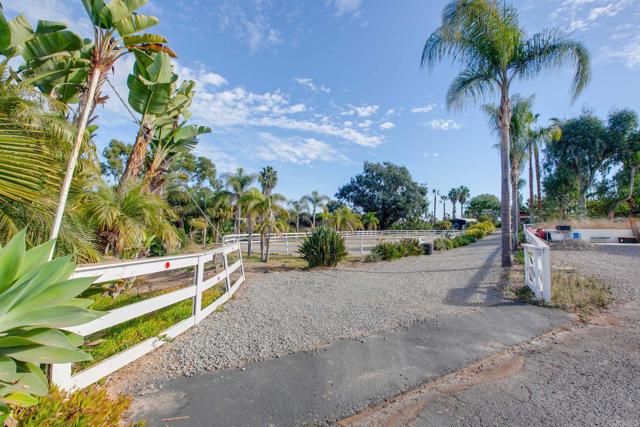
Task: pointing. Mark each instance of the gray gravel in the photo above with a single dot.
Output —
(279, 313)
(618, 265)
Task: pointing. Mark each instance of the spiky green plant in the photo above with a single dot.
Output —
(36, 299)
(323, 247)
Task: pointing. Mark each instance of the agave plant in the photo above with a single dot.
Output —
(37, 298)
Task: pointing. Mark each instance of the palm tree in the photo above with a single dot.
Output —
(486, 39)
(443, 200)
(274, 220)
(238, 185)
(316, 200)
(219, 210)
(124, 214)
(453, 197)
(250, 202)
(298, 210)
(268, 179)
(519, 131)
(345, 219)
(370, 221)
(463, 195)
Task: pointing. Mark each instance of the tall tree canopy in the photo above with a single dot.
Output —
(389, 191)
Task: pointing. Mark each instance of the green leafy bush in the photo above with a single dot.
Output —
(36, 299)
(441, 244)
(323, 247)
(90, 407)
(477, 233)
(442, 225)
(394, 250)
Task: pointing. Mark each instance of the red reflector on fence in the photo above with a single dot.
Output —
(167, 264)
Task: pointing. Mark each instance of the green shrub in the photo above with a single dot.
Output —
(37, 300)
(440, 244)
(442, 225)
(486, 226)
(477, 233)
(90, 407)
(394, 250)
(324, 247)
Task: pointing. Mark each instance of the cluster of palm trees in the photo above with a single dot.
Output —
(486, 39)
(454, 196)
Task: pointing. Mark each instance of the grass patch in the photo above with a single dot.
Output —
(571, 292)
(104, 344)
(290, 262)
(583, 295)
(518, 257)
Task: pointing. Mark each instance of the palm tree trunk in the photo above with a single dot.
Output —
(313, 220)
(530, 183)
(204, 237)
(505, 123)
(515, 207)
(138, 153)
(297, 223)
(250, 232)
(73, 159)
(236, 226)
(266, 255)
(536, 155)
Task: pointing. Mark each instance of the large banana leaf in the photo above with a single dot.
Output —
(146, 99)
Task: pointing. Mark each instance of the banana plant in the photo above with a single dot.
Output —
(167, 143)
(151, 86)
(117, 30)
(55, 59)
(37, 299)
(152, 79)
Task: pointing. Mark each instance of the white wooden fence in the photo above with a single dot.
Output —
(61, 374)
(537, 266)
(284, 237)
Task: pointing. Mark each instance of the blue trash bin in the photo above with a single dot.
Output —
(577, 235)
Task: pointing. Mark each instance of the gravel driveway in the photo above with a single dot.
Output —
(279, 313)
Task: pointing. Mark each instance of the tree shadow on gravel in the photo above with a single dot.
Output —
(478, 291)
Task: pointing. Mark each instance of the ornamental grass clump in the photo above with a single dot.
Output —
(394, 250)
(324, 247)
(37, 298)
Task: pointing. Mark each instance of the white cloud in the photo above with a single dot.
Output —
(366, 124)
(362, 111)
(344, 7)
(629, 53)
(51, 10)
(581, 15)
(252, 28)
(444, 124)
(297, 150)
(423, 109)
(427, 154)
(390, 112)
(387, 126)
(309, 84)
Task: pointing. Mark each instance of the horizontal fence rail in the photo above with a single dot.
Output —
(61, 374)
(282, 237)
(537, 266)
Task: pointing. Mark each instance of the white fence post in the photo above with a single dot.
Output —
(225, 264)
(197, 300)
(537, 266)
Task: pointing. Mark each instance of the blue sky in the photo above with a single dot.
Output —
(315, 88)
